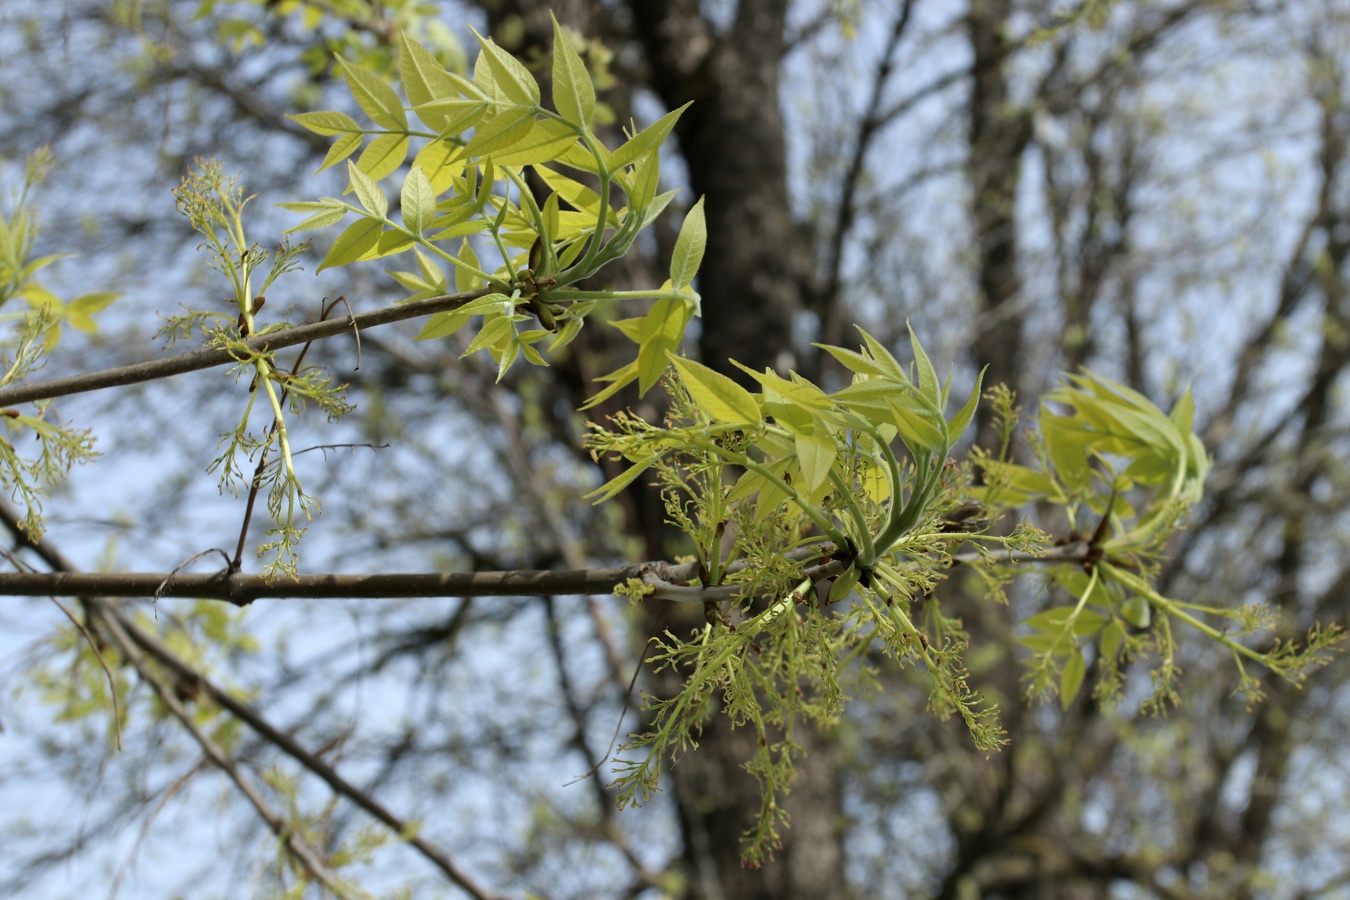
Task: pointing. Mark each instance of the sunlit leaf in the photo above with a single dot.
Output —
(368, 193)
(417, 201)
(358, 239)
(721, 398)
(326, 123)
(510, 76)
(689, 247)
(573, 92)
(376, 98)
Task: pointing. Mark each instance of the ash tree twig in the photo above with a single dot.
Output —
(135, 644)
(665, 580)
(196, 360)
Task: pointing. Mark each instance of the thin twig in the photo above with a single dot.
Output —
(141, 641)
(293, 748)
(304, 852)
(237, 564)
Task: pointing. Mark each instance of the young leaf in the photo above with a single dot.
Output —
(1071, 679)
(383, 155)
(424, 79)
(369, 194)
(646, 178)
(80, 311)
(844, 585)
(326, 123)
(501, 131)
(512, 78)
(329, 215)
(442, 324)
(418, 201)
(928, 380)
(441, 162)
(453, 116)
(358, 239)
(689, 247)
(649, 137)
(342, 148)
(815, 455)
(662, 329)
(573, 92)
(721, 398)
(915, 429)
(375, 98)
(961, 420)
(547, 140)
(465, 279)
(616, 484)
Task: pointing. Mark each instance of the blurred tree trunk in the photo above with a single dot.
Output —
(754, 280)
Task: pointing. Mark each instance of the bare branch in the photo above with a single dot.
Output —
(209, 358)
(303, 851)
(133, 642)
(668, 581)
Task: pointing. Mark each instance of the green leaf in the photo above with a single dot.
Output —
(512, 78)
(1183, 413)
(442, 324)
(501, 131)
(689, 247)
(844, 585)
(375, 98)
(465, 279)
(928, 380)
(88, 304)
(424, 79)
(418, 201)
(1071, 679)
(1085, 621)
(721, 398)
(1112, 640)
(574, 192)
(883, 358)
(815, 455)
(1137, 612)
(961, 420)
(616, 484)
(854, 361)
(646, 178)
(328, 216)
(915, 429)
(357, 240)
(369, 194)
(80, 311)
(326, 123)
(662, 329)
(651, 136)
(547, 140)
(442, 162)
(573, 92)
(384, 155)
(342, 148)
(453, 116)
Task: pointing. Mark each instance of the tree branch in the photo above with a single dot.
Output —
(668, 581)
(133, 642)
(211, 357)
(295, 841)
